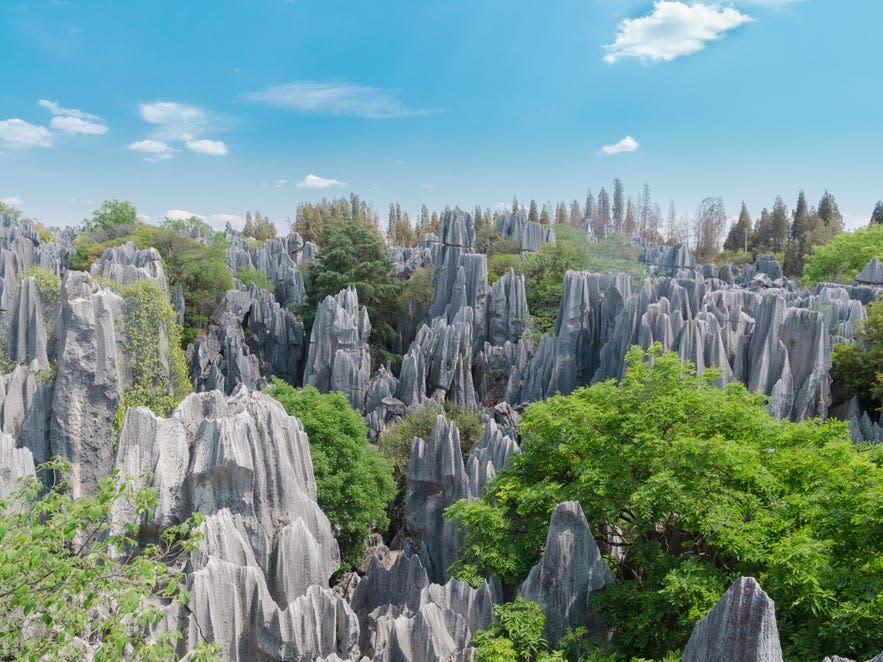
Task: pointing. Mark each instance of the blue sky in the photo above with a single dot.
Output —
(215, 108)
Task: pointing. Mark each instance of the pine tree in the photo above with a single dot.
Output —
(618, 207)
(779, 225)
(591, 209)
(629, 225)
(709, 226)
(672, 222)
(545, 214)
(740, 232)
(248, 230)
(603, 228)
(533, 215)
(763, 232)
(561, 214)
(576, 214)
(423, 227)
(644, 214)
(514, 204)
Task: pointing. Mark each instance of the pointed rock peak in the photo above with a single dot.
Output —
(740, 628)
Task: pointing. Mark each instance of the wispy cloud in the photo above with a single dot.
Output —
(156, 150)
(182, 214)
(13, 200)
(15, 133)
(671, 30)
(73, 120)
(334, 98)
(313, 181)
(279, 183)
(177, 123)
(627, 144)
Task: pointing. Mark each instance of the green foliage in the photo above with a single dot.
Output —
(44, 234)
(395, 441)
(544, 270)
(312, 219)
(418, 289)
(48, 283)
(354, 254)
(259, 228)
(13, 213)
(515, 635)
(842, 258)
(193, 227)
(703, 486)
(487, 241)
(62, 563)
(47, 375)
(159, 370)
(111, 216)
(354, 482)
(857, 368)
(250, 277)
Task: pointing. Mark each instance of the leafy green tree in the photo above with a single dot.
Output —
(841, 259)
(312, 218)
(688, 487)
(779, 225)
(762, 238)
(113, 217)
(71, 577)
(354, 482)
(13, 213)
(740, 232)
(533, 215)
(193, 227)
(353, 254)
(877, 214)
(515, 635)
(260, 227)
(250, 277)
(857, 368)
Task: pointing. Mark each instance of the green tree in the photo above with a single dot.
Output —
(857, 368)
(515, 634)
(71, 577)
(877, 214)
(842, 258)
(603, 228)
(700, 485)
(354, 482)
(591, 210)
(740, 232)
(629, 224)
(533, 215)
(260, 227)
(113, 217)
(802, 226)
(779, 225)
(354, 254)
(762, 238)
(13, 213)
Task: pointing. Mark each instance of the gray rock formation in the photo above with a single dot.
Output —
(490, 454)
(436, 479)
(127, 264)
(431, 634)
(254, 338)
(446, 351)
(381, 404)
(507, 309)
(259, 580)
(28, 333)
(740, 628)
(499, 372)
(872, 274)
(15, 463)
(275, 258)
(569, 571)
(339, 358)
(528, 234)
(422, 256)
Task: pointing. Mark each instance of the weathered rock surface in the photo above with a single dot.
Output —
(15, 463)
(254, 338)
(872, 274)
(275, 258)
(127, 264)
(422, 256)
(339, 358)
(28, 333)
(569, 571)
(444, 361)
(490, 454)
(507, 309)
(740, 628)
(259, 582)
(528, 234)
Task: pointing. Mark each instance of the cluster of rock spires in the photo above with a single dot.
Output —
(260, 582)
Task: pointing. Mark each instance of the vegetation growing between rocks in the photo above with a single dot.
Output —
(48, 283)
(354, 482)
(249, 277)
(843, 258)
(153, 343)
(702, 486)
(63, 563)
(857, 368)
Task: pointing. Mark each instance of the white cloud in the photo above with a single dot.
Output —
(672, 29)
(75, 125)
(279, 183)
(145, 218)
(178, 123)
(182, 214)
(13, 200)
(73, 120)
(220, 220)
(334, 99)
(18, 134)
(627, 144)
(210, 147)
(312, 181)
(156, 150)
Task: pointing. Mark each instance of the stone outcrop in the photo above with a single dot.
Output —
(442, 355)
(127, 264)
(339, 358)
(507, 309)
(28, 332)
(259, 581)
(569, 571)
(277, 260)
(15, 463)
(528, 234)
(872, 274)
(490, 454)
(436, 479)
(253, 338)
(740, 628)
(422, 256)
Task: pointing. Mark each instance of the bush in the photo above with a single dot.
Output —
(250, 277)
(354, 482)
(703, 486)
(395, 441)
(857, 368)
(842, 258)
(63, 564)
(13, 213)
(48, 283)
(160, 379)
(516, 634)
